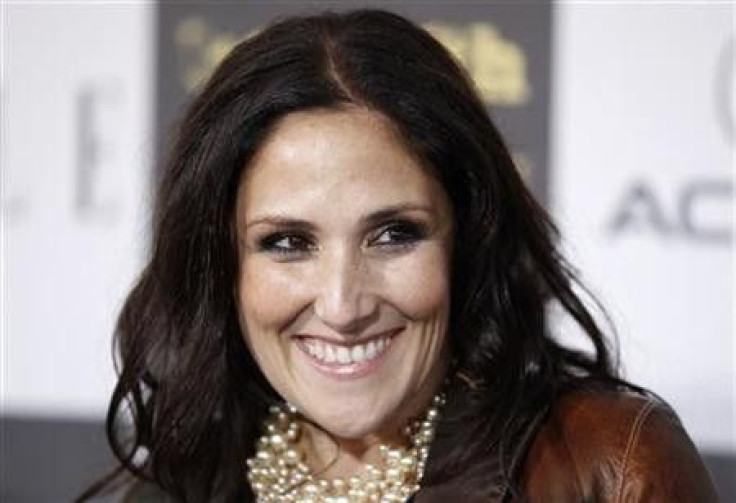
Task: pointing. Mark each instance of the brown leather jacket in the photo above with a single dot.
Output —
(595, 447)
(602, 447)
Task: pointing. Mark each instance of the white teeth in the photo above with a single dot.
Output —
(344, 355)
(370, 350)
(318, 351)
(357, 353)
(329, 354)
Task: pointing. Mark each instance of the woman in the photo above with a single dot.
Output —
(346, 298)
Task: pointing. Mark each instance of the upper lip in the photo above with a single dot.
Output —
(350, 341)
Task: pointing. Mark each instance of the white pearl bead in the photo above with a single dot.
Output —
(278, 474)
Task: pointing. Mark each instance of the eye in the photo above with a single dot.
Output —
(399, 234)
(286, 244)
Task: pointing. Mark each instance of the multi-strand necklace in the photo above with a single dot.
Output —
(278, 474)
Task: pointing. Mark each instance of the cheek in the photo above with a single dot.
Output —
(268, 297)
(420, 285)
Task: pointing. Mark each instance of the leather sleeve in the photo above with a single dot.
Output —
(660, 463)
(614, 448)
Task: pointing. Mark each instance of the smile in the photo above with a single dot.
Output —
(347, 359)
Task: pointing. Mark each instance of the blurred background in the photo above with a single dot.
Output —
(620, 115)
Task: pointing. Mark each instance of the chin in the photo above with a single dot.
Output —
(355, 422)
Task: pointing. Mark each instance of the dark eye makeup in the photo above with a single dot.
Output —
(286, 242)
(399, 234)
(393, 236)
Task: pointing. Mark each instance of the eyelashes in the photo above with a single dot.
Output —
(392, 237)
(399, 234)
(286, 242)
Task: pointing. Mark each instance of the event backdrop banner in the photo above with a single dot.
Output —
(77, 117)
(639, 175)
(643, 191)
(506, 49)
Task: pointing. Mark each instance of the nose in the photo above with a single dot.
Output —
(344, 300)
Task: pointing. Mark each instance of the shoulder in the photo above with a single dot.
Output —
(614, 446)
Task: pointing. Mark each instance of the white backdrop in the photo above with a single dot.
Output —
(642, 165)
(76, 116)
(639, 138)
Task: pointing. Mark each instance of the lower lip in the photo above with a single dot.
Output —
(353, 370)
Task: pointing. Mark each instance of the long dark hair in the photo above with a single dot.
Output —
(190, 399)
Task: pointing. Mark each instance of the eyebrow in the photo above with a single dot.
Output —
(368, 220)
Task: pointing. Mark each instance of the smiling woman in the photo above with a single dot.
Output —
(346, 300)
(338, 223)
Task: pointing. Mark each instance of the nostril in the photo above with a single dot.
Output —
(347, 315)
(344, 300)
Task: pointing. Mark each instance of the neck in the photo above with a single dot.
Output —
(276, 468)
(333, 457)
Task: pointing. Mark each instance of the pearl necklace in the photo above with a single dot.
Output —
(277, 473)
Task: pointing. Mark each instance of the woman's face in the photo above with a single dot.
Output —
(345, 251)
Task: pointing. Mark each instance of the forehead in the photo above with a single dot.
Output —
(347, 159)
